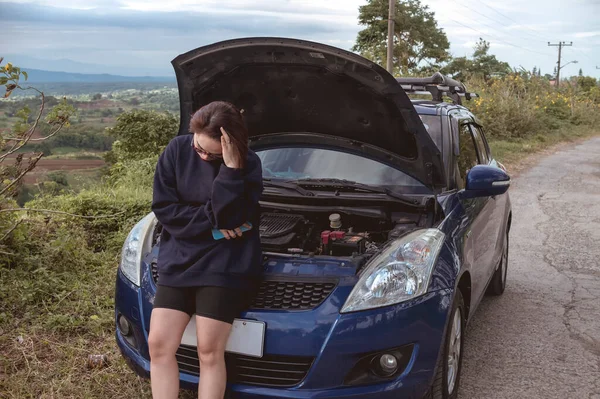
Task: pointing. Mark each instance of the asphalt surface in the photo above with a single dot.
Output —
(541, 338)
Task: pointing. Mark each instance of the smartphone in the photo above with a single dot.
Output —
(217, 235)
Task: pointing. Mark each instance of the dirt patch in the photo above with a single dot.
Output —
(48, 165)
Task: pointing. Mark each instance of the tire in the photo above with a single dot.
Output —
(498, 282)
(445, 384)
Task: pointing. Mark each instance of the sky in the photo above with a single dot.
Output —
(141, 37)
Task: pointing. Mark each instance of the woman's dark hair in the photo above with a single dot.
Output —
(211, 117)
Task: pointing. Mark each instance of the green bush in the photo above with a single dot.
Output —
(141, 134)
(124, 205)
(521, 106)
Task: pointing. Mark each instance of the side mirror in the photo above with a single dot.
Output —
(486, 181)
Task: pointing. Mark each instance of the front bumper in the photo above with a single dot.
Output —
(336, 341)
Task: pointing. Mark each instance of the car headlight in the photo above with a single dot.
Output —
(399, 273)
(138, 243)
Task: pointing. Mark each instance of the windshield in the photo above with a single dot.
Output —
(314, 163)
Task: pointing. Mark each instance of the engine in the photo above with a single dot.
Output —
(325, 234)
(321, 233)
(284, 231)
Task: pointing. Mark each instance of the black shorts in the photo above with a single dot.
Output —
(218, 303)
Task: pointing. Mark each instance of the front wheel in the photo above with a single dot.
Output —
(447, 378)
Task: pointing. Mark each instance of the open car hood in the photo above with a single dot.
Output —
(293, 88)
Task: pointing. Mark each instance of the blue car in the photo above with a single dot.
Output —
(384, 222)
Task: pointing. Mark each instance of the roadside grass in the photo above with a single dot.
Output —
(512, 152)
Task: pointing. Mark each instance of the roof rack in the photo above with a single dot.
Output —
(437, 86)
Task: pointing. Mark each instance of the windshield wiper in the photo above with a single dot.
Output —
(289, 186)
(349, 184)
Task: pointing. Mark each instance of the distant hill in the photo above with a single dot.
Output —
(67, 65)
(41, 76)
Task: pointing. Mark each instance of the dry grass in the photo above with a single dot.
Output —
(519, 154)
(45, 365)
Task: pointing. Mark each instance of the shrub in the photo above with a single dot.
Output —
(520, 106)
(141, 134)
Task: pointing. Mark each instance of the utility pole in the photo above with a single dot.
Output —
(390, 43)
(560, 46)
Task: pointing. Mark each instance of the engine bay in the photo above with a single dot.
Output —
(357, 232)
(339, 233)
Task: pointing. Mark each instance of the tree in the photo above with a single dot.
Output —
(586, 83)
(141, 134)
(482, 65)
(580, 72)
(97, 96)
(487, 64)
(14, 164)
(417, 38)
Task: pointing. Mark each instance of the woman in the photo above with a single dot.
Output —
(204, 181)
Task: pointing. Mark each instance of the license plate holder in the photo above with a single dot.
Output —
(247, 337)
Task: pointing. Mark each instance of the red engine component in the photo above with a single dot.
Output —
(327, 237)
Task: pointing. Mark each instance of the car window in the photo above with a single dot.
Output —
(481, 147)
(467, 157)
(317, 163)
(433, 125)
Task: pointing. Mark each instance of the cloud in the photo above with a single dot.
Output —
(73, 4)
(143, 36)
(122, 38)
(587, 34)
(200, 20)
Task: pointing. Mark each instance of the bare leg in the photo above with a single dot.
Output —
(166, 330)
(212, 338)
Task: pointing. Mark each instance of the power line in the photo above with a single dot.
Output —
(538, 34)
(582, 53)
(491, 19)
(498, 30)
(497, 38)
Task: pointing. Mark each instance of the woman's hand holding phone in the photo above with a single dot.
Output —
(231, 234)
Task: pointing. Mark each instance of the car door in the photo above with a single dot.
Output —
(479, 237)
(497, 202)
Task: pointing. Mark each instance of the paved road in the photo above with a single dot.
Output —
(541, 339)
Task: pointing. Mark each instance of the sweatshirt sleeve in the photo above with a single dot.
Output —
(235, 195)
(179, 219)
(233, 201)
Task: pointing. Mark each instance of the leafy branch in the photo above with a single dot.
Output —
(23, 131)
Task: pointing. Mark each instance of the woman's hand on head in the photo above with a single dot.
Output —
(231, 155)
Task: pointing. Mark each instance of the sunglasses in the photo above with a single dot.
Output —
(201, 151)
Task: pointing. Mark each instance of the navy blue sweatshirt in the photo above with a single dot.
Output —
(193, 196)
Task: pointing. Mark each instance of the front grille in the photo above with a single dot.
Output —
(154, 271)
(270, 370)
(288, 295)
(293, 295)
